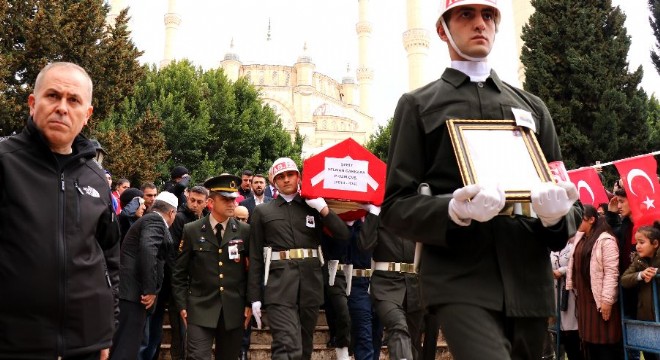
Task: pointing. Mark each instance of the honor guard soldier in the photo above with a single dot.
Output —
(285, 262)
(210, 275)
(484, 267)
(395, 288)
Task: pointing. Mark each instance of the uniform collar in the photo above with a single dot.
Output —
(215, 222)
(457, 78)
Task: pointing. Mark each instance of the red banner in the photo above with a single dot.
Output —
(640, 180)
(589, 186)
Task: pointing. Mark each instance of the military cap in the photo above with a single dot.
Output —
(226, 185)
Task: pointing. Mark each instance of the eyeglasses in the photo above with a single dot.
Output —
(242, 219)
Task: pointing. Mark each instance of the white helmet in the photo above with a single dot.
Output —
(281, 165)
(446, 5)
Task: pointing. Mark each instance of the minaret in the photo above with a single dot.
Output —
(172, 22)
(416, 43)
(365, 75)
(523, 9)
(116, 6)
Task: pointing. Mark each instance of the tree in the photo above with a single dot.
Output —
(210, 124)
(654, 19)
(136, 151)
(575, 59)
(379, 141)
(36, 32)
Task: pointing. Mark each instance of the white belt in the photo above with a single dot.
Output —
(294, 254)
(394, 266)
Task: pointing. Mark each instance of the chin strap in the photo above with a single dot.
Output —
(453, 44)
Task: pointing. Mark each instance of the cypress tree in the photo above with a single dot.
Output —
(575, 56)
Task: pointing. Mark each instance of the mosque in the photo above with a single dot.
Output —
(322, 109)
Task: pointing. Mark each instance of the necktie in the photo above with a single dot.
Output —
(218, 231)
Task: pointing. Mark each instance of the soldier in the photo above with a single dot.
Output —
(485, 268)
(284, 256)
(395, 289)
(209, 278)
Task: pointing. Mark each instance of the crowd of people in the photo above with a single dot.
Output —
(604, 256)
(88, 266)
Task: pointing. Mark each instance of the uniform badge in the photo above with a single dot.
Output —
(181, 244)
(235, 247)
(310, 221)
(524, 118)
(201, 240)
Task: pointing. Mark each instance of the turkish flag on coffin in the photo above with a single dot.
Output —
(640, 180)
(589, 186)
(346, 174)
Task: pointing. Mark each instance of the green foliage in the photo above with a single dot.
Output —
(654, 19)
(379, 141)
(36, 32)
(210, 124)
(654, 123)
(135, 151)
(575, 59)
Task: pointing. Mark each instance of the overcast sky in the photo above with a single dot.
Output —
(328, 28)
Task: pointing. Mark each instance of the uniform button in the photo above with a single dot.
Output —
(219, 251)
(219, 263)
(221, 276)
(480, 84)
(222, 289)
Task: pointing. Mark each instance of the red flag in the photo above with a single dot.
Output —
(640, 180)
(589, 186)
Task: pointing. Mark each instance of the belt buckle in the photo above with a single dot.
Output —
(296, 253)
(393, 266)
(409, 268)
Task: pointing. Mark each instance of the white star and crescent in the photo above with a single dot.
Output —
(631, 176)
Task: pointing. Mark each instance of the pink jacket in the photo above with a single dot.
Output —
(603, 267)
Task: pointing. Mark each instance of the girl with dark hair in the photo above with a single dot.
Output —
(593, 271)
(641, 272)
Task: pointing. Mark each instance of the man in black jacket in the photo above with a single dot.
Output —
(143, 254)
(59, 239)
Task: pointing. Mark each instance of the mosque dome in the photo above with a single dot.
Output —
(304, 57)
(348, 78)
(231, 55)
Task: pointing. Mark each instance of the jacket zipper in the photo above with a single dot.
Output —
(80, 193)
(62, 265)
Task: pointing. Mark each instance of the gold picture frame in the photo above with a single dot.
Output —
(499, 152)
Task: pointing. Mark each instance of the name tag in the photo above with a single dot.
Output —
(233, 252)
(524, 118)
(309, 221)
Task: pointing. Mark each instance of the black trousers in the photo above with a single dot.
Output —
(336, 309)
(473, 332)
(227, 341)
(403, 329)
(128, 337)
(293, 331)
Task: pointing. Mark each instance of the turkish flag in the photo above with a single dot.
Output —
(589, 186)
(640, 180)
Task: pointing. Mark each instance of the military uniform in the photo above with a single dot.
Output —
(209, 281)
(395, 288)
(294, 289)
(500, 266)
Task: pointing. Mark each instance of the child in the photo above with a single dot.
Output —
(641, 272)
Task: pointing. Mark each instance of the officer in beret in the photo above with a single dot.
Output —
(209, 279)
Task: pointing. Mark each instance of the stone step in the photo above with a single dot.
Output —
(262, 352)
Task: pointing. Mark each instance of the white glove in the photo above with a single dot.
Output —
(486, 203)
(256, 312)
(318, 203)
(552, 202)
(371, 208)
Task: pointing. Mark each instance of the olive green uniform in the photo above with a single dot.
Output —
(294, 291)
(500, 266)
(207, 283)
